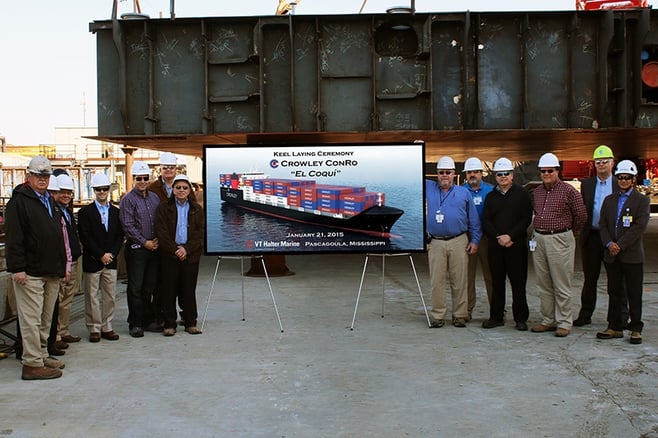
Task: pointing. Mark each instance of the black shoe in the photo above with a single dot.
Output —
(137, 332)
(521, 326)
(581, 321)
(54, 351)
(154, 327)
(491, 323)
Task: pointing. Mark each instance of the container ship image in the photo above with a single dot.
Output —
(350, 208)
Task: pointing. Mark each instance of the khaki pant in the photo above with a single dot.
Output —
(483, 258)
(67, 290)
(448, 264)
(35, 302)
(101, 283)
(554, 267)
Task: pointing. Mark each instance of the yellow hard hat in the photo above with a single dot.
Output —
(603, 151)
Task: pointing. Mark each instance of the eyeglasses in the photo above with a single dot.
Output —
(181, 187)
(473, 171)
(547, 170)
(141, 178)
(40, 176)
(502, 173)
(597, 162)
(625, 177)
(168, 167)
(444, 172)
(101, 189)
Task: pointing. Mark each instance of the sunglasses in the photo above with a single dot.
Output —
(182, 187)
(101, 189)
(40, 176)
(547, 170)
(473, 171)
(168, 167)
(597, 162)
(141, 178)
(502, 173)
(625, 177)
(444, 172)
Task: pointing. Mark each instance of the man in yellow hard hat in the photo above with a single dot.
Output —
(594, 190)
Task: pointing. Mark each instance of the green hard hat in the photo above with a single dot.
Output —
(603, 151)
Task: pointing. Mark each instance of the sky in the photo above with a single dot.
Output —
(48, 55)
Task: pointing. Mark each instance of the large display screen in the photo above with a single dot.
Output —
(314, 198)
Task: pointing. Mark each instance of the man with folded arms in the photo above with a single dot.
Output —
(559, 212)
(102, 237)
(505, 220)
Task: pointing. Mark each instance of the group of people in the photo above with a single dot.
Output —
(162, 226)
(491, 225)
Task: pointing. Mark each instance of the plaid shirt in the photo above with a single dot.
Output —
(559, 208)
(137, 215)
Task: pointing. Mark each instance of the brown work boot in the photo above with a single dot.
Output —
(636, 338)
(40, 373)
(51, 362)
(541, 328)
(609, 334)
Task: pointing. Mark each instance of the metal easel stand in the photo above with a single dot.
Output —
(383, 256)
(267, 278)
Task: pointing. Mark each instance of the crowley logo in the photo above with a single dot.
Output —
(274, 164)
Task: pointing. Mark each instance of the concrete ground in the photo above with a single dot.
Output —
(389, 377)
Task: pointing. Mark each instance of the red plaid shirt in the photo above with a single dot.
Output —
(559, 208)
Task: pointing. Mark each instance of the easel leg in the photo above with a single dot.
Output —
(420, 292)
(383, 256)
(212, 287)
(358, 295)
(267, 277)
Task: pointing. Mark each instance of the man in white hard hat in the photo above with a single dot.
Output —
(36, 258)
(454, 232)
(559, 212)
(594, 190)
(102, 236)
(624, 219)
(163, 186)
(137, 214)
(505, 220)
(64, 200)
(479, 190)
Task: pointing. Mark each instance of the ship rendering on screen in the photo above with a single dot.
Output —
(350, 208)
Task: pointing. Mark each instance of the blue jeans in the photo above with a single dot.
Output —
(142, 267)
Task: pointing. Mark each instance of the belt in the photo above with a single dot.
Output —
(446, 237)
(564, 230)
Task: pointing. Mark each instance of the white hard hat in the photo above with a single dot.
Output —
(503, 165)
(548, 160)
(168, 159)
(445, 163)
(40, 165)
(52, 184)
(140, 168)
(65, 182)
(100, 180)
(627, 167)
(473, 164)
(182, 177)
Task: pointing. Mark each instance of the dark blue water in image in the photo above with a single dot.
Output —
(232, 229)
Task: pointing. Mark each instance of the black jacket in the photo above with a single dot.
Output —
(34, 242)
(96, 240)
(72, 230)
